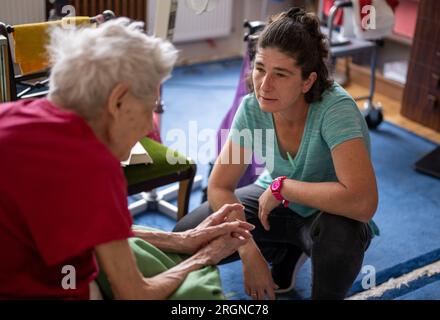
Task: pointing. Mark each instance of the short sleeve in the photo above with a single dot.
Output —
(342, 122)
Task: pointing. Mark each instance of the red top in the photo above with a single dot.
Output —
(61, 193)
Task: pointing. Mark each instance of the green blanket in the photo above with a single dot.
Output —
(202, 284)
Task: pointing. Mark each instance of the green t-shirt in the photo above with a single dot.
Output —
(330, 122)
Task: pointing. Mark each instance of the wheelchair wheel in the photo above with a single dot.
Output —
(373, 117)
(373, 114)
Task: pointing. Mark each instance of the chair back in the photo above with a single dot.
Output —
(25, 46)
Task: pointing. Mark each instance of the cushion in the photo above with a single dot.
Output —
(160, 166)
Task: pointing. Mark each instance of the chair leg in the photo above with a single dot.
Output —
(183, 198)
(185, 187)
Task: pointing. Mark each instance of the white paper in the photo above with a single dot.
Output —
(138, 155)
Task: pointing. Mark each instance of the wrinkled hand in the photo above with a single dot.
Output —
(221, 215)
(215, 226)
(220, 248)
(267, 203)
(258, 282)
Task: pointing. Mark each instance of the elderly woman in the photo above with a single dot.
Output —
(62, 191)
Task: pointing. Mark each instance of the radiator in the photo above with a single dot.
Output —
(192, 27)
(28, 11)
(134, 9)
(22, 11)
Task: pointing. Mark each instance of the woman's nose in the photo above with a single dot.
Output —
(266, 83)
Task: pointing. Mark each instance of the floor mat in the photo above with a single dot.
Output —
(428, 292)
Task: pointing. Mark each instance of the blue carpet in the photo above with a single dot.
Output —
(408, 214)
(428, 292)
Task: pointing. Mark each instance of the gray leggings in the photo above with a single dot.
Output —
(335, 244)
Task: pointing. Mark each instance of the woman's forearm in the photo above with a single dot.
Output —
(217, 197)
(332, 197)
(165, 241)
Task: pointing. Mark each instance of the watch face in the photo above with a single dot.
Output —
(275, 185)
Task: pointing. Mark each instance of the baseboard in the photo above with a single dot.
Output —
(185, 61)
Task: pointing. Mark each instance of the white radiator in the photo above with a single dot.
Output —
(192, 27)
(22, 11)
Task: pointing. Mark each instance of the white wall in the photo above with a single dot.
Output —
(216, 49)
(22, 11)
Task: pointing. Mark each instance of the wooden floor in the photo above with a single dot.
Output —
(391, 112)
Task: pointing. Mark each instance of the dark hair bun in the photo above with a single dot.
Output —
(298, 34)
(295, 12)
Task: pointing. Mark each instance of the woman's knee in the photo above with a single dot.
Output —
(194, 218)
(330, 228)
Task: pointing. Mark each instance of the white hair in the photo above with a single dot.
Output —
(87, 63)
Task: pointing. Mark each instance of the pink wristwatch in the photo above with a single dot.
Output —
(275, 187)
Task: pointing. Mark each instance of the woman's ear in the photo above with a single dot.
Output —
(115, 99)
(308, 83)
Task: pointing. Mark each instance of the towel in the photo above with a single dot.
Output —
(31, 40)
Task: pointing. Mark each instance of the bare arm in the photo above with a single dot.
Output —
(192, 240)
(354, 195)
(225, 176)
(223, 181)
(222, 184)
(127, 282)
(166, 241)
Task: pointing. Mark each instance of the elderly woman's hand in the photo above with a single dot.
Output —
(216, 225)
(221, 215)
(220, 248)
